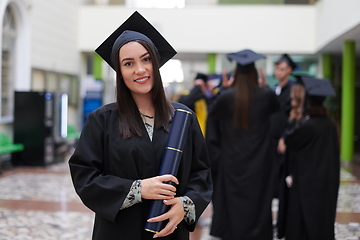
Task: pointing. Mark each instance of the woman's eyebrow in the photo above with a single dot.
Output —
(125, 59)
(144, 54)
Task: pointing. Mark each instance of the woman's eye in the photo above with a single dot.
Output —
(147, 59)
(127, 64)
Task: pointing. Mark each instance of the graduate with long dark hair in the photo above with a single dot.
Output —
(315, 168)
(298, 103)
(115, 165)
(239, 136)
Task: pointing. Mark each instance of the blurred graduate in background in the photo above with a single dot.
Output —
(298, 103)
(284, 66)
(199, 98)
(239, 139)
(314, 175)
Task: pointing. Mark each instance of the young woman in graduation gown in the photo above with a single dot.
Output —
(297, 95)
(315, 171)
(115, 165)
(239, 131)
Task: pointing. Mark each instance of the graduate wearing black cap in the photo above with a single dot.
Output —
(199, 98)
(239, 140)
(315, 169)
(284, 66)
(298, 103)
(196, 93)
(115, 165)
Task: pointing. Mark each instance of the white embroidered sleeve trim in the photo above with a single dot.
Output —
(189, 210)
(134, 195)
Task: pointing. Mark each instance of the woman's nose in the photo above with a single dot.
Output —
(139, 69)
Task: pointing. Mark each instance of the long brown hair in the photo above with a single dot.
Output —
(245, 84)
(128, 111)
(297, 94)
(316, 106)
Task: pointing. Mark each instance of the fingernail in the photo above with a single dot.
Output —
(165, 201)
(155, 236)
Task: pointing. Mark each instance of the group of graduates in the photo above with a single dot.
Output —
(269, 142)
(115, 166)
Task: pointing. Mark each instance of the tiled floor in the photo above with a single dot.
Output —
(39, 203)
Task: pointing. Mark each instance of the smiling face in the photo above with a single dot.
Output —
(136, 68)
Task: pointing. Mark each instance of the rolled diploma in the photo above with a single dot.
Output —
(170, 162)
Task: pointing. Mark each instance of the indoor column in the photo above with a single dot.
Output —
(97, 67)
(348, 102)
(211, 59)
(327, 66)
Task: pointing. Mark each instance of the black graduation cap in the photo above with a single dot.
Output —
(317, 87)
(245, 59)
(286, 58)
(136, 27)
(202, 76)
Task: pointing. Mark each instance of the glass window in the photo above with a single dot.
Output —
(51, 82)
(64, 85)
(89, 64)
(69, 85)
(7, 65)
(38, 80)
(74, 91)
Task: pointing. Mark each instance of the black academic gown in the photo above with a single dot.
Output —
(279, 120)
(283, 188)
(242, 192)
(104, 166)
(311, 206)
(189, 99)
(278, 124)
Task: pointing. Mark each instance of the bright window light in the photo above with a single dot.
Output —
(155, 3)
(172, 71)
(64, 110)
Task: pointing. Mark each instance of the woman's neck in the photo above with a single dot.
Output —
(144, 104)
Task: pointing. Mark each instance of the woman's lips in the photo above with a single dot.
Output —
(142, 80)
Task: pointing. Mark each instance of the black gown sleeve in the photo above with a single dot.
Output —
(190, 99)
(102, 193)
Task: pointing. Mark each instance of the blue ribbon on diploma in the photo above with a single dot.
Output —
(170, 163)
